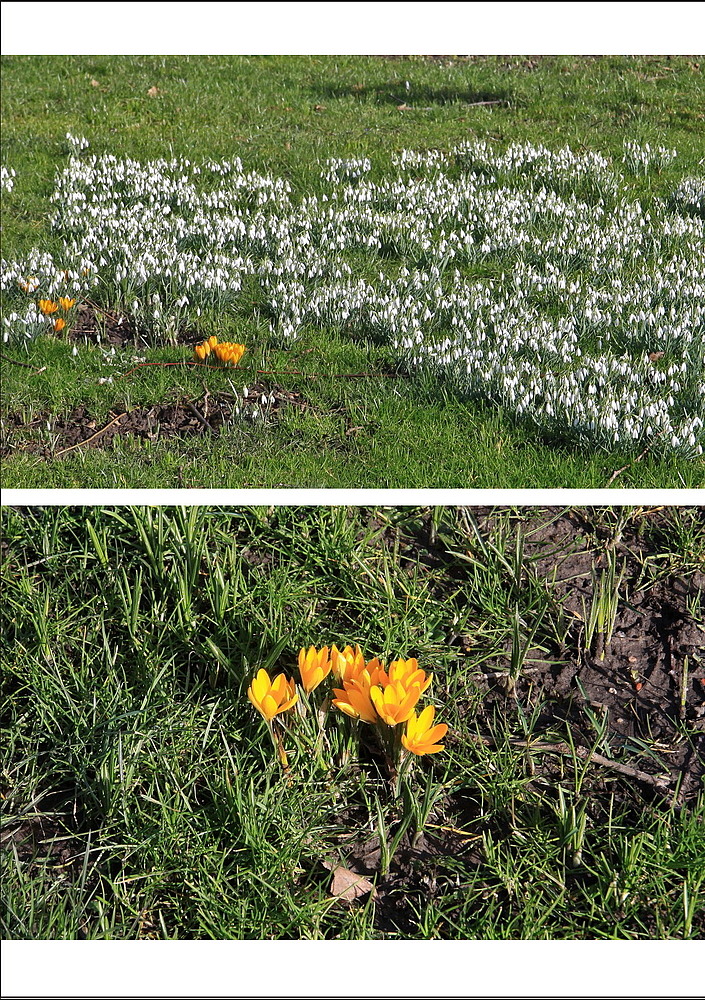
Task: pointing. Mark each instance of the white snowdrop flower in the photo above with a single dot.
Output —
(7, 178)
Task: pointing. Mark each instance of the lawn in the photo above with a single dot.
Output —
(446, 271)
(145, 796)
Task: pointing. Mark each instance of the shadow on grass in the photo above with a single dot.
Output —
(396, 92)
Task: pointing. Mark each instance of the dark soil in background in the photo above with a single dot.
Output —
(147, 423)
(655, 725)
(97, 325)
(93, 324)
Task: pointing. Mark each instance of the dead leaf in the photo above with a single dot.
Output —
(320, 107)
(347, 885)
(656, 355)
(153, 91)
(403, 107)
(94, 83)
(287, 145)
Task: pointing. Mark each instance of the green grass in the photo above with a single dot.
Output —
(408, 433)
(132, 636)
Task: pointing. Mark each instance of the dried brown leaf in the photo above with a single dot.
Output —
(348, 885)
(154, 91)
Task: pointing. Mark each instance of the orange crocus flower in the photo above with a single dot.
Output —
(48, 307)
(408, 673)
(229, 353)
(269, 697)
(395, 703)
(346, 663)
(354, 700)
(314, 666)
(421, 735)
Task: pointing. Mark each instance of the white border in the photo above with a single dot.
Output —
(293, 28)
(520, 969)
(316, 969)
(353, 497)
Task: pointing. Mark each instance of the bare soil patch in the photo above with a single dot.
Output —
(647, 684)
(50, 436)
(97, 325)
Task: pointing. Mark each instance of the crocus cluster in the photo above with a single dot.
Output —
(226, 352)
(384, 696)
(370, 692)
(48, 307)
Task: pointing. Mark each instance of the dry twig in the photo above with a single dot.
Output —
(198, 415)
(80, 444)
(566, 749)
(23, 364)
(618, 472)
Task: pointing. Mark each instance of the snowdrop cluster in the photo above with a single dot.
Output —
(338, 170)
(528, 278)
(643, 159)
(690, 195)
(27, 282)
(255, 406)
(77, 143)
(7, 178)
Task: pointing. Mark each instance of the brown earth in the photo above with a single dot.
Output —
(80, 429)
(647, 684)
(97, 325)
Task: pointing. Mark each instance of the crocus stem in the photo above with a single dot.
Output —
(278, 745)
(404, 764)
(322, 715)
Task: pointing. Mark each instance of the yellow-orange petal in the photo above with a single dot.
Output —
(355, 701)
(347, 663)
(420, 749)
(261, 684)
(421, 736)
